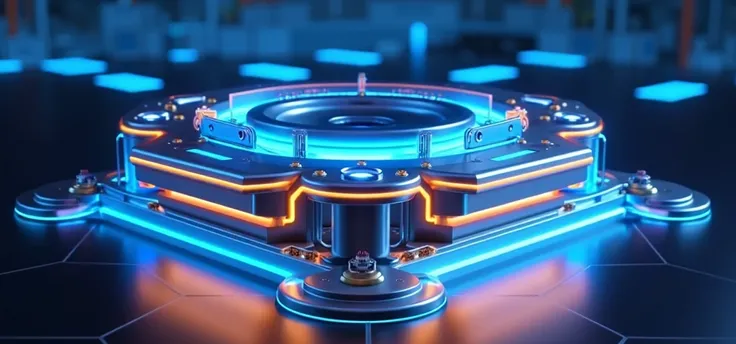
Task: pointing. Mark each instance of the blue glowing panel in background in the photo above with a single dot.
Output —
(273, 71)
(10, 66)
(183, 55)
(209, 154)
(348, 57)
(550, 59)
(72, 66)
(418, 40)
(485, 74)
(128, 82)
(671, 91)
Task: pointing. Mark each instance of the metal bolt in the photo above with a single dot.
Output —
(521, 141)
(402, 173)
(511, 101)
(177, 141)
(320, 173)
(545, 118)
(295, 164)
(171, 107)
(426, 165)
(362, 163)
(179, 117)
(555, 107)
(211, 100)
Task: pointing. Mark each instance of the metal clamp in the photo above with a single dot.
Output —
(117, 156)
(424, 148)
(299, 141)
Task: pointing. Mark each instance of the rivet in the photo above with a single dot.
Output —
(211, 100)
(171, 107)
(179, 117)
(295, 164)
(511, 101)
(545, 118)
(555, 107)
(177, 141)
(426, 165)
(362, 163)
(402, 173)
(320, 173)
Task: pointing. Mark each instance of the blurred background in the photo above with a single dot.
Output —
(697, 35)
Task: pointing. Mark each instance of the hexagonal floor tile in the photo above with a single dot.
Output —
(186, 273)
(231, 319)
(77, 300)
(535, 272)
(32, 244)
(704, 246)
(652, 301)
(479, 318)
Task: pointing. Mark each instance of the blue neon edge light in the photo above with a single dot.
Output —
(196, 242)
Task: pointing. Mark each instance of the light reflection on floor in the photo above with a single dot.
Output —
(507, 293)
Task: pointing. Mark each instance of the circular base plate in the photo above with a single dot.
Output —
(53, 202)
(672, 202)
(401, 297)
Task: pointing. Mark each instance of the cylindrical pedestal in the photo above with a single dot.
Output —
(129, 142)
(360, 228)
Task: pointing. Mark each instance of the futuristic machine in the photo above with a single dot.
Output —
(360, 198)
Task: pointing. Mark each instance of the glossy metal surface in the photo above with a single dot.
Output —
(647, 282)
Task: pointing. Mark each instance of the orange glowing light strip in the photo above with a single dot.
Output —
(221, 209)
(211, 180)
(511, 180)
(499, 210)
(583, 133)
(141, 133)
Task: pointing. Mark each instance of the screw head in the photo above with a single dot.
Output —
(295, 164)
(426, 165)
(555, 107)
(402, 173)
(511, 101)
(362, 163)
(179, 117)
(171, 107)
(320, 173)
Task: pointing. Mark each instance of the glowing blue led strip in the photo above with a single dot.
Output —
(196, 242)
(268, 143)
(527, 242)
(656, 217)
(75, 216)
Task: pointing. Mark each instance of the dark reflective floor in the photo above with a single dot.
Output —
(638, 283)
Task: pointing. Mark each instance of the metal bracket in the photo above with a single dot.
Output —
(424, 148)
(117, 156)
(299, 140)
